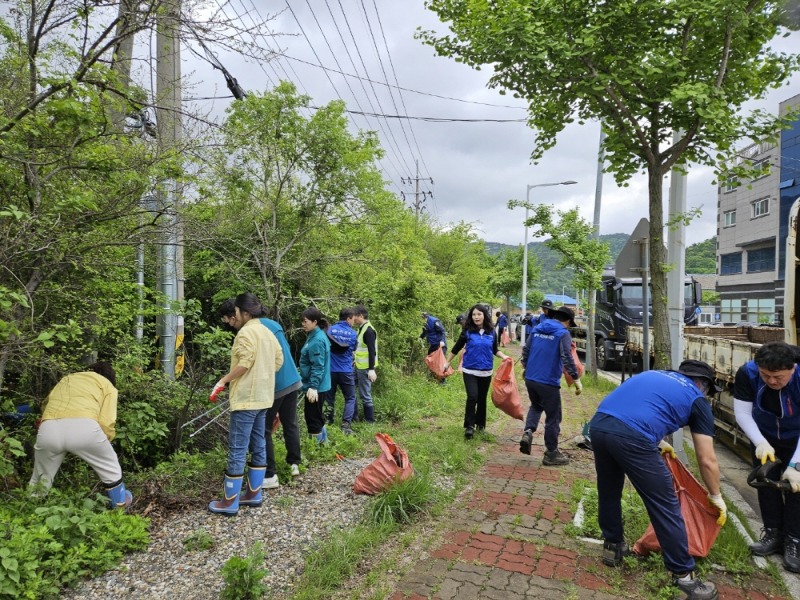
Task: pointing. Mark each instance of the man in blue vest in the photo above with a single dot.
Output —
(545, 357)
(433, 332)
(502, 325)
(767, 407)
(343, 344)
(627, 438)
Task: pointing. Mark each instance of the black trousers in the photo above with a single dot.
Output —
(779, 510)
(284, 407)
(315, 418)
(477, 389)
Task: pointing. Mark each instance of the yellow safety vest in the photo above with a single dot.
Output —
(362, 354)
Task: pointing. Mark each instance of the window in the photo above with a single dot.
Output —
(760, 207)
(730, 311)
(761, 168)
(731, 183)
(761, 310)
(730, 218)
(760, 260)
(730, 264)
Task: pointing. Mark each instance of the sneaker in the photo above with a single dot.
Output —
(468, 433)
(295, 470)
(613, 553)
(555, 458)
(771, 542)
(791, 555)
(346, 429)
(270, 483)
(694, 587)
(526, 442)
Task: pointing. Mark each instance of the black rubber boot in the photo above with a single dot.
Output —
(771, 542)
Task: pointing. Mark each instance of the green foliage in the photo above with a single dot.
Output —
(243, 575)
(402, 502)
(11, 449)
(702, 257)
(53, 544)
(198, 540)
(506, 278)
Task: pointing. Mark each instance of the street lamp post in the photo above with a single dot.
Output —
(525, 248)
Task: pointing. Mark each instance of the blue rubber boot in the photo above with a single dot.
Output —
(119, 495)
(252, 496)
(229, 505)
(322, 437)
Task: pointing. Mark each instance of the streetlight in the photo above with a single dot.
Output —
(525, 248)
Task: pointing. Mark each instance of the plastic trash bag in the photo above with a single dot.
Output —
(505, 393)
(392, 465)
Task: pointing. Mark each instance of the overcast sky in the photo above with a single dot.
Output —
(476, 167)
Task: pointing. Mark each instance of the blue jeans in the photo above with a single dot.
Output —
(347, 383)
(544, 399)
(616, 456)
(247, 429)
(364, 387)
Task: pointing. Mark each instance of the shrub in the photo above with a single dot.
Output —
(243, 575)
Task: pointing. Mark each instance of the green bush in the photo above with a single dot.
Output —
(243, 575)
(402, 502)
(49, 545)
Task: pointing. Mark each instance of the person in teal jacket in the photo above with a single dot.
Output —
(315, 370)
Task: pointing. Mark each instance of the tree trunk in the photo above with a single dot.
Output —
(658, 275)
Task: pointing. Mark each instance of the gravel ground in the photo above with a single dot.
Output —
(291, 521)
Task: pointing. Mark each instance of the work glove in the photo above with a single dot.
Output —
(312, 395)
(792, 475)
(218, 387)
(666, 449)
(372, 375)
(578, 387)
(765, 452)
(441, 344)
(716, 501)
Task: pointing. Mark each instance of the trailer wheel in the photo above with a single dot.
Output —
(602, 352)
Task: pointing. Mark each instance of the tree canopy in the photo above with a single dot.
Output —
(667, 79)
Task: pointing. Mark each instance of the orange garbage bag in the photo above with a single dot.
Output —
(392, 465)
(700, 517)
(505, 394)
(578, 363)
(505, 339)
(437, 363)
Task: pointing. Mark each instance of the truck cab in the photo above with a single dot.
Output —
(620, 304)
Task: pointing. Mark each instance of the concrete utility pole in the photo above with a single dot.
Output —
(419, 195)
(168, 103)
(591, 365)
(676, 256)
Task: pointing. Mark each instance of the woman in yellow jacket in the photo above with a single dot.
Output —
(255, 357)
(79, 417)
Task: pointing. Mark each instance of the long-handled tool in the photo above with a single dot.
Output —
(759, 477)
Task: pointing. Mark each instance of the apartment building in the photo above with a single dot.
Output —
(752, 225)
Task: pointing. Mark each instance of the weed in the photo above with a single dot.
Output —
(284, 502)
(401, 502)
(199, 539)
(243, 575)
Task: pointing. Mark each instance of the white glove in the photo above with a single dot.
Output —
(372, 375)
(716, 501)
(312, 395)
(441, 344)
(666, 449)
(765, 452)
(792, 475)
(218, 387)
(578, 387)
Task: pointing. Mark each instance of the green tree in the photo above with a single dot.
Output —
(647, 68)
(572, 237)
(506, 277)
(702, 257)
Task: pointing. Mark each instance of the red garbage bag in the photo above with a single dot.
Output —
(700, 517)
(505, 339)
(392, 465)
(437, 363)
(505, 393)
(578, 363)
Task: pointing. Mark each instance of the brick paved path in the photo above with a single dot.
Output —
(505, 537)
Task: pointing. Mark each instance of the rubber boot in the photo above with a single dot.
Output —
(252, 496)
(119, 495)
(322, 437)
(369, 414)
(229, 505)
